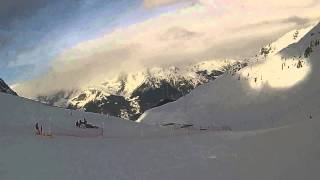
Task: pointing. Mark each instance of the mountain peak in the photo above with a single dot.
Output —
(5, 88)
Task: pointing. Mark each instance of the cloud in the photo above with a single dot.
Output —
(178, 33)
(206, 30)
(4, 40)
(157, 3)
(298, 21)
(34, 32)
(17, 9)
(69, 75)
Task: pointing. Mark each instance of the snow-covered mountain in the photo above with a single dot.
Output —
(136, 151)
(129, 95)
(278, 87)
(5, 88)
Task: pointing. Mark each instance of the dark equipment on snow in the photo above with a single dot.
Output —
(84, 124)
(168, 124)
(186, 125)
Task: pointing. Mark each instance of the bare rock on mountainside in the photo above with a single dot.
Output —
(4, 88)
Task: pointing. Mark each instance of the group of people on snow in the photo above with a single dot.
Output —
(84, 124)
(81, 123)
(39, 130)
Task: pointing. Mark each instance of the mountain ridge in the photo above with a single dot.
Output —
(4, 88)
(129, 95)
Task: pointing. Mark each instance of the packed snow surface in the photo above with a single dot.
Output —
(136, 151)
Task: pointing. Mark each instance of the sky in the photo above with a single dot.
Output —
(50, 45)
(34, 32)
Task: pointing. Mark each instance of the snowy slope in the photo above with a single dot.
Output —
(140, 152)
(20, 115)
(280, 90)
(289, 38)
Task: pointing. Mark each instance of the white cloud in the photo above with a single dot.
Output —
(157, 3)
(208, 29)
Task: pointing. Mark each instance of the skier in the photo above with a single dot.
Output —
(77, 124)
(82, 124)
(41, 129)
(37, 129)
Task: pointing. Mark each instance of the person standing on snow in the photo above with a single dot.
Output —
(77, 124)
(37, 129)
